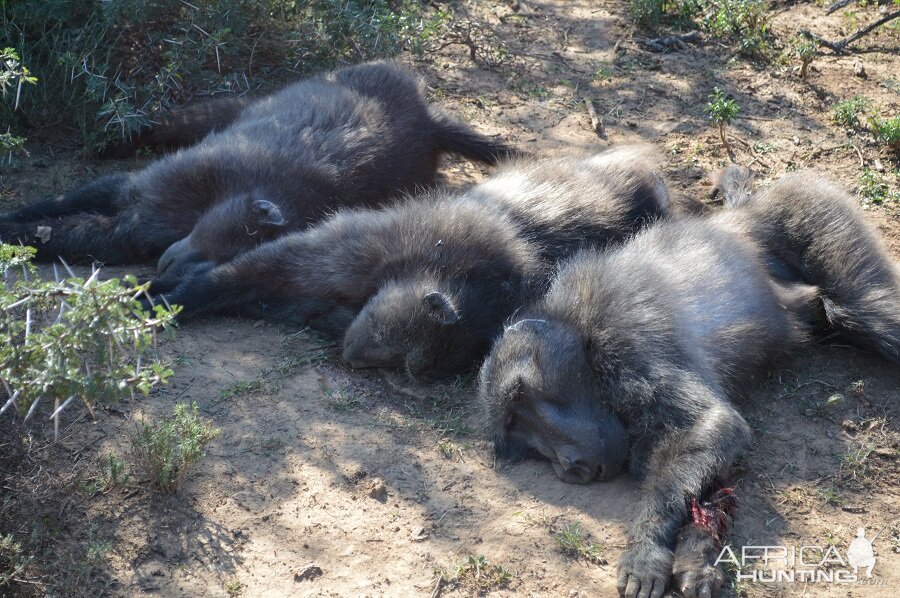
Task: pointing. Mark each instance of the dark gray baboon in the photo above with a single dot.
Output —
(353, 137)
(640, 349)
(652, 337)
(428, 282)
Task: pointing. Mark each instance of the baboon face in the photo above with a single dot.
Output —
(411, 324)
(225, 230)
(540, 395)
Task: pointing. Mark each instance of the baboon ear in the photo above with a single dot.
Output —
(440, 308)
(268, 213)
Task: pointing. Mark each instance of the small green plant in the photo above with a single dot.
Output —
(244, 388)
(831, 495)
(572, 541)
(166, 450)
(13, 72)
(874, 188)
(113, 473)
(817, 408)
(450, 449)
(13, 560)
(846, 112)
(233, 587)
(73, 340)
(11, 145)
(886, 131)
(344, 402)
(806, 50)
(722, 111)
(855, 463)
(476, 576)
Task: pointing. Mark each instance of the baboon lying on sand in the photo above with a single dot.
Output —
(635, 353)
(425, 284)
(353, 137)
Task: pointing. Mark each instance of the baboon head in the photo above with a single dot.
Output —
(421, 325)
(224, 231)
(539, 394)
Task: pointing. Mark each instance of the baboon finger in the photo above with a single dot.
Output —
(622, 583)
(633, 587)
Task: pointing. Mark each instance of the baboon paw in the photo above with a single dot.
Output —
(644, 571)
(694, 570)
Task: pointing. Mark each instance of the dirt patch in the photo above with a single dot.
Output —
(327, 481)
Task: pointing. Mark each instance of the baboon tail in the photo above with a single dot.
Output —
(871, 321)
(735, 184)
(454, 136)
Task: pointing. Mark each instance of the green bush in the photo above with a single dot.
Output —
(886, 130)
(166, 450)
(106, 67)
(13, 560)
(742, 21)
(651, 13)
(113, 473)
(73, 339)
(13, 74)
(846, 112)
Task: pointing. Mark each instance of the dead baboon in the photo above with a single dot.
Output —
(428, 282)
(639, 351)
(353, 137)
(651, 337)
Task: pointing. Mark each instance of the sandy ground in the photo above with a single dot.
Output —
(385, 486)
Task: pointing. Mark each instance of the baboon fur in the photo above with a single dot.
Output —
(425, 284)
(813, 232)
(641, 349)
(353, 137)
(180, 128)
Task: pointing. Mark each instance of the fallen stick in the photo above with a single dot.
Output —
(670, 42)
(839, 46)
(837, 6)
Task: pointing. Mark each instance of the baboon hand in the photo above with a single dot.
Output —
(644, 570)
(694, 570)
